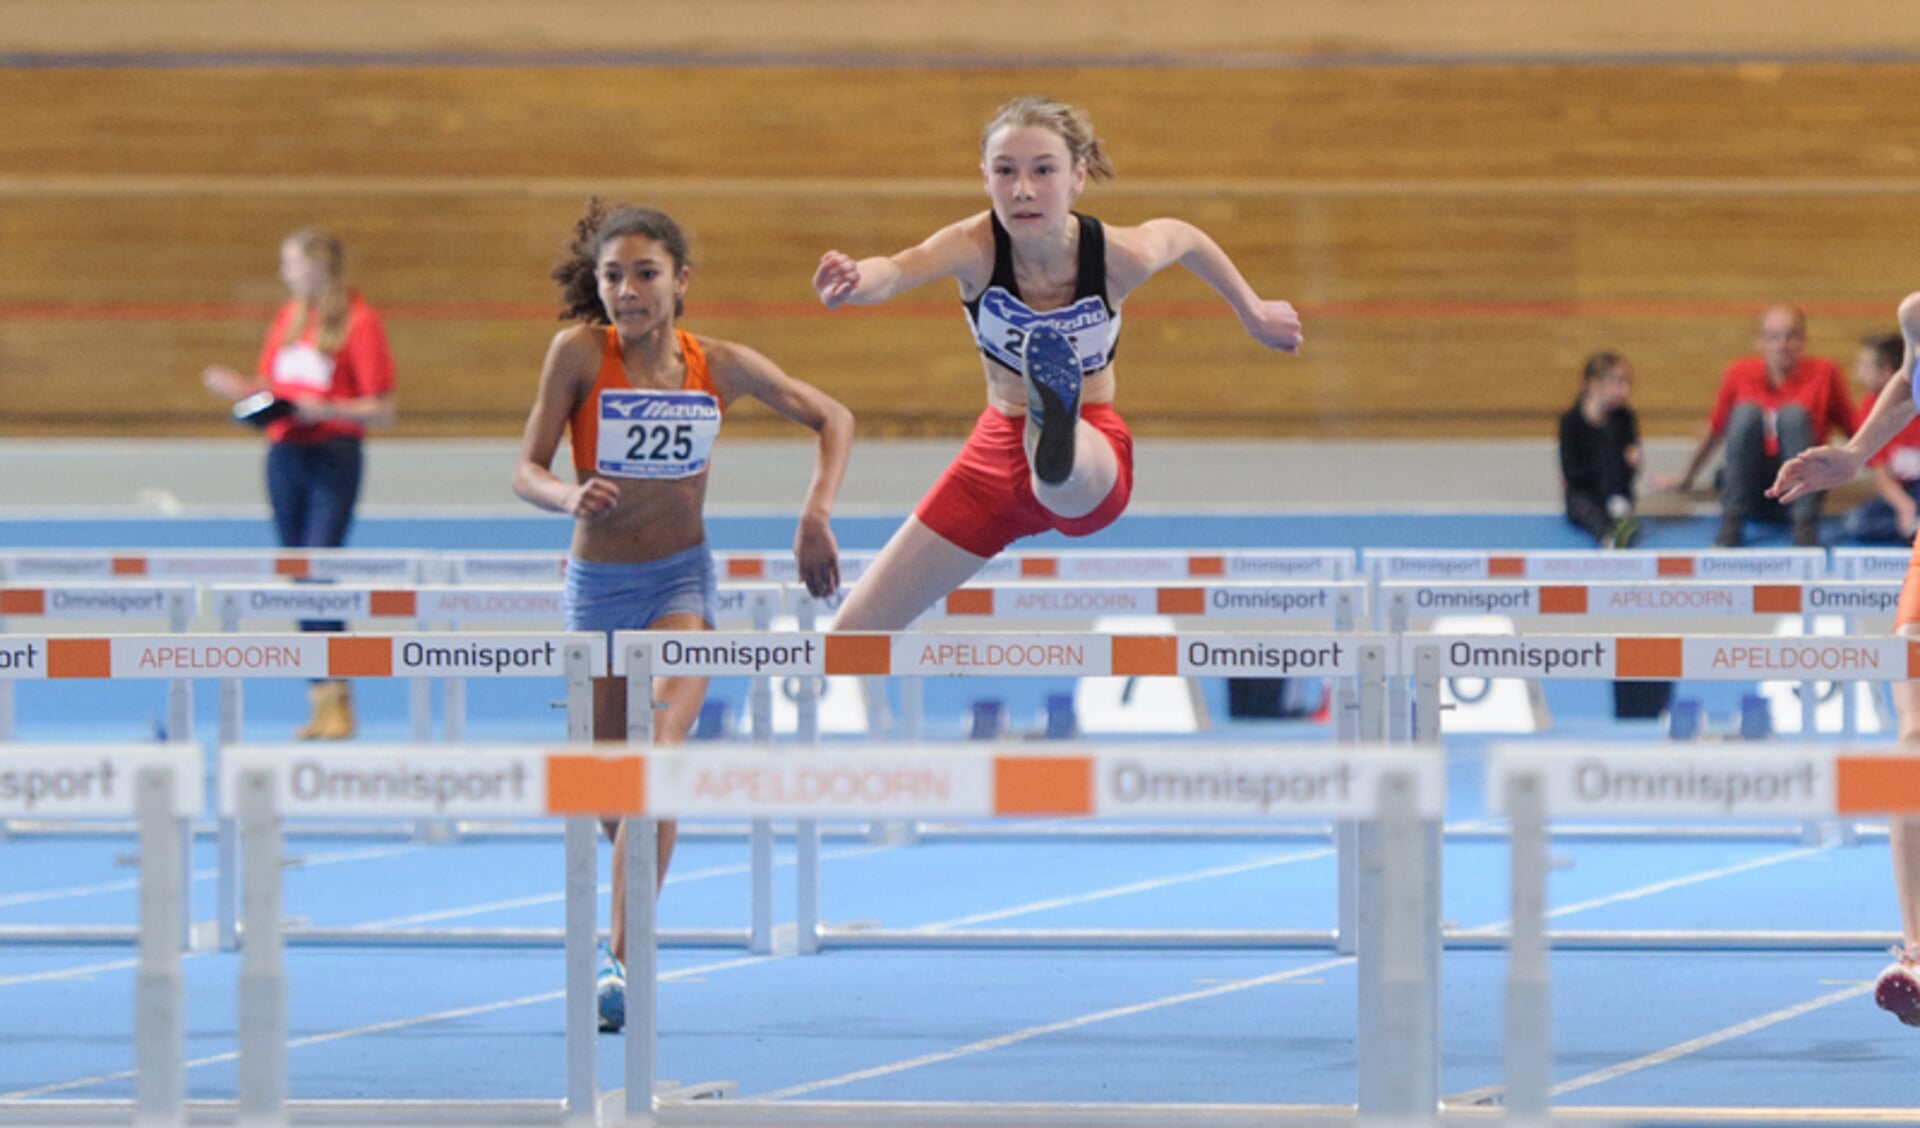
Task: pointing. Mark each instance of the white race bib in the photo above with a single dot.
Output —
(655, 434)
(303, 366)
(1002, 324)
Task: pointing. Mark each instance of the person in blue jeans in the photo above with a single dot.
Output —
(1893, 514)
(323, 377)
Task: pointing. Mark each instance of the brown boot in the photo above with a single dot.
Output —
(1806, 534)
(332, 712)
(1732, 533)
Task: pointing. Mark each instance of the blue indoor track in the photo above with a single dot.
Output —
(1697, 1029)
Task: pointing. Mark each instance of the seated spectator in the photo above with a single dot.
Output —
(1893, 516)
(1600, 452)
(1770, 408)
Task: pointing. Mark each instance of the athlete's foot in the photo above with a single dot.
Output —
(1898, 989)
(1053, 401)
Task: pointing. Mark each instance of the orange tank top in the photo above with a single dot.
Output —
(584, 424)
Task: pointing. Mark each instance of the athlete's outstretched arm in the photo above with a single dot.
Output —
(1825, 467)
(574, 354)
(740, 371)
(1153, 246)
(954, 251)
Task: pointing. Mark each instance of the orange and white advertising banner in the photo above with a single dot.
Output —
(99, 601)
(80, 781)
(296, 655)
(780, 567)
(1150, 565)
(1745, 781)
(1073, 601)
(1872, 563)
(1681, 598)
(1800, 658)
(188, 565)
(1707, 564)
(1702, 657)
(1038, 654)
(412, 781)
(1259, 782)
(504, 567)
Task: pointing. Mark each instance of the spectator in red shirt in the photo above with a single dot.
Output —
(1893, 516)
(324, 376)
(1769, 409)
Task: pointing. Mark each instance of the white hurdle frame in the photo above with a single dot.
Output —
(159, 786)
(1695, 657)
(810, 655)
(1530, 782)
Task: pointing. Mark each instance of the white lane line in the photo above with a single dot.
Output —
(374, 1028)
(1668, 885)
(1125, 890)
(1678, 1050)
(1706, 1041)
(85, 971)
(532, 900)
(1032, 1032)
(305, 861)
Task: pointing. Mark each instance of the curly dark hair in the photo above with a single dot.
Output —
(576, 274)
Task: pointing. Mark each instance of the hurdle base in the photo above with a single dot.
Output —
(1682, 941)
(954, 1114)
(490, 938)
(342, 1112)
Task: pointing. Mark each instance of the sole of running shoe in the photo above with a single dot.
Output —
(1898, 993)
(1053, 377)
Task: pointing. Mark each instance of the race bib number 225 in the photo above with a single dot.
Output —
(655, 434)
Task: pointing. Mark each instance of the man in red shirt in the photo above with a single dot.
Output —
(1769, 409)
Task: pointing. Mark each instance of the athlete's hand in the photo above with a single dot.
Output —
(818, 555)
(313, 409)
(225, 382)
(1274, 324)
(592, 499)
(836, 278)
(1814, 471)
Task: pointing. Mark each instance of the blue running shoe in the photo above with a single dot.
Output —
(610, 992)
(1053, 401)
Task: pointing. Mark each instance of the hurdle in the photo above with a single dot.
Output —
(1702, 657)
(1397, 1073)
(159, 786)
(1530, 782)
(638, 655)
(136, 601)
(1671, 599)
(576, 658)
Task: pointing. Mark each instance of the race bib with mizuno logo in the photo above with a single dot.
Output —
(1003, 321)
(655, 434)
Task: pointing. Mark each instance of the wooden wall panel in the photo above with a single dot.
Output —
(1459, 237)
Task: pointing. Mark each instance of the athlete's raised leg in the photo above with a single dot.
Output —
(917, 567)
(1073, 465)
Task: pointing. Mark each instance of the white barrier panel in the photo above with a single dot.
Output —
(1228, 601)
(100, 601)
(1872, 563)
(1650, 600)
(1703, 657)
(454, 604)
(315, 564)
(1705, 564)
(891, 781)
(722, 653)
(85, 781)
(503, 567)
(1672, 780)
(410, 781)
(1227, 564)
(293, 655)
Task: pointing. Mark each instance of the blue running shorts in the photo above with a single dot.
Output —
(632, 597)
